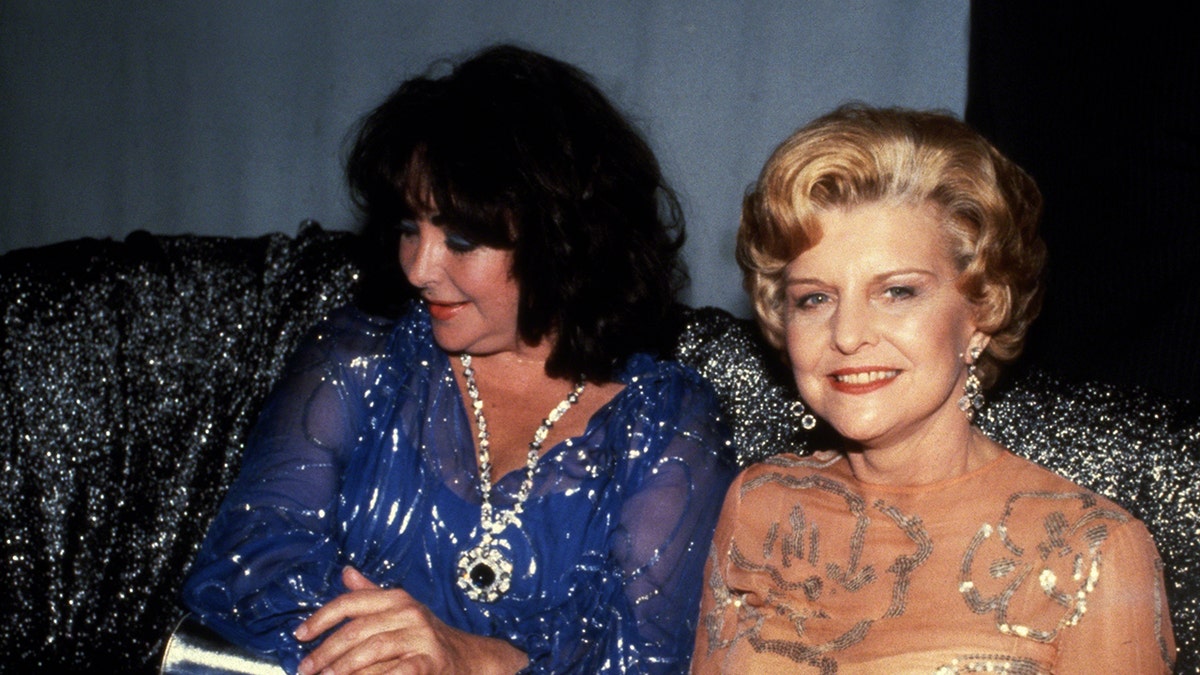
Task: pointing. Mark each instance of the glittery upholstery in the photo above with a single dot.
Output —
(132, 371)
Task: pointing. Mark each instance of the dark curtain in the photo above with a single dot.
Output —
(1100, 106)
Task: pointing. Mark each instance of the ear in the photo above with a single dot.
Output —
(977, 344)
(977, 326)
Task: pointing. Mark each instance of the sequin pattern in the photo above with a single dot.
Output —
(132, 371)
(814, 571)
(364, 456)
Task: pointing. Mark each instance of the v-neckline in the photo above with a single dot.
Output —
(470, 457)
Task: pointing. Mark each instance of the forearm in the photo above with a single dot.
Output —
(257, 601)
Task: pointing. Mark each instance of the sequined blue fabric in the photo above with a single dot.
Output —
(131, 372)
(364, 456)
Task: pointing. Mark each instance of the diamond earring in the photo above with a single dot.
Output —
(806, 418)
(972, 398)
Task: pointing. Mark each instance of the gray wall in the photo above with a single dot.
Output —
(229, 117)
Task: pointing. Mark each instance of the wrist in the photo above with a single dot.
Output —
(479, 655)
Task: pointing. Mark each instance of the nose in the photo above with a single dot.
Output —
(852, 326)
(419, 258)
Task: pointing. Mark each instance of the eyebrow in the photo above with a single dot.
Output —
(875, 279)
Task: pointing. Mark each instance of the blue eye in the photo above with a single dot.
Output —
(459, 244)
(900, 292)
(811, 300)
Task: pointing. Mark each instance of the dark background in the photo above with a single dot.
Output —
(1100, 106)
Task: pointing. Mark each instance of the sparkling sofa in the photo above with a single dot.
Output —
(131, 372)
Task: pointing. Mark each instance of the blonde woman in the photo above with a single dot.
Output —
(893, 256)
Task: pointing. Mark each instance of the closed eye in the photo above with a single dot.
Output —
(459, 244)
(406, 227)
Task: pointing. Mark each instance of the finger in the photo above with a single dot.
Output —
(382, 668)
(405, 665)
(415, 664)
(351, 605)
(356, 581)
(345, 640)
(402, 620)
(387, 649)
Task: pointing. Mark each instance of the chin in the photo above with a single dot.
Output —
(859, 426)
(859, 435)
(447, 345)
(453, 338)
(475, 346)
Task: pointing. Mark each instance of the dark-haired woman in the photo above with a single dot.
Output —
(506, 475)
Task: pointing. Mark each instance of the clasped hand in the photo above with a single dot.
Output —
(387, 631)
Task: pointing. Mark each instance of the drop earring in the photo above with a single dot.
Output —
(972, 398)
(807, 420)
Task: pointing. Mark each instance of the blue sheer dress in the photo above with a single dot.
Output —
(364, 456)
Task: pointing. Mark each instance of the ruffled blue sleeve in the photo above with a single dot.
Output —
(643, 619)
(271, 556)
(619, 526)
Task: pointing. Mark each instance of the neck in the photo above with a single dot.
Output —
(935, 453)
(508, 373)
(522, 356)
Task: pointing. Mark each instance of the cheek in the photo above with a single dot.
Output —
(804, 341)
(497, 277)
(940, 337)
(507, 298)
(920, 333)
(957, 326)
(494, 284)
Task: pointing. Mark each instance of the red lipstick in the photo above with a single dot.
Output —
(442, 311)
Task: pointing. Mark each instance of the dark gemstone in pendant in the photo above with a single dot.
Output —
(482, 575)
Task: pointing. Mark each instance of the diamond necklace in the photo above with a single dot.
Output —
(484, 573)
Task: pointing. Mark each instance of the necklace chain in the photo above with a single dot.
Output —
(492, 524)
(485, 570)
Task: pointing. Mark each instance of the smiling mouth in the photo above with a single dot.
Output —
(862, 381)
(866, 377)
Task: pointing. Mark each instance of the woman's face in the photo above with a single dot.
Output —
(471, 293)
(876, 327)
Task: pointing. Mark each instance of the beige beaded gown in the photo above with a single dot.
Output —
(1006, 569)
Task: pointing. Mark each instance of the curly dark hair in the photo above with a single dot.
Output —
(520, 151)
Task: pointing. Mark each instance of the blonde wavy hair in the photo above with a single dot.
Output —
(860, 155)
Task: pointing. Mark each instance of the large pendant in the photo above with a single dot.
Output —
(484, 574)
